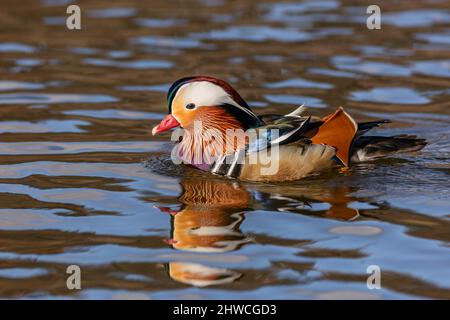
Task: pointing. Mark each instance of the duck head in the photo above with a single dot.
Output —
(202, 98)
(200, 104)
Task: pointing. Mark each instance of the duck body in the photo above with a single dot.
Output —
(222, 135)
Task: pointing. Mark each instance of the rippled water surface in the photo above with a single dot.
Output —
(82, 181)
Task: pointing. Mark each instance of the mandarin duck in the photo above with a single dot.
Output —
(221, 134)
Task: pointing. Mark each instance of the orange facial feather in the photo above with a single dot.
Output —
(206, 137)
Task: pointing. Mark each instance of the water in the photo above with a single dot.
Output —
(82, 181)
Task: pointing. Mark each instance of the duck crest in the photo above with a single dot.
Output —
(224, 85)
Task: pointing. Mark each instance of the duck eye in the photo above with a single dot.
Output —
(190, 106)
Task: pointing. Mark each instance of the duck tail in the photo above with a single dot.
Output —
(363, 127)
(375, 147)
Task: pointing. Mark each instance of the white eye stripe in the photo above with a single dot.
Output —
(202, 93)
(205, 93)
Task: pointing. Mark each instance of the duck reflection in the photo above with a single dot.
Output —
(210, 217)
(208, 221)
(213, 209)
(330, 201)
(201, 276)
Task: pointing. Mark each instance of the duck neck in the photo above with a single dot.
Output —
(206, 140)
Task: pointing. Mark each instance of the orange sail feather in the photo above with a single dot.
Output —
(338, 131)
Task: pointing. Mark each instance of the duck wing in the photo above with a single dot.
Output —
(273, 117)
(375, 147)
(280, 131)
(367, 148)
(338, 130)
(285, 130)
